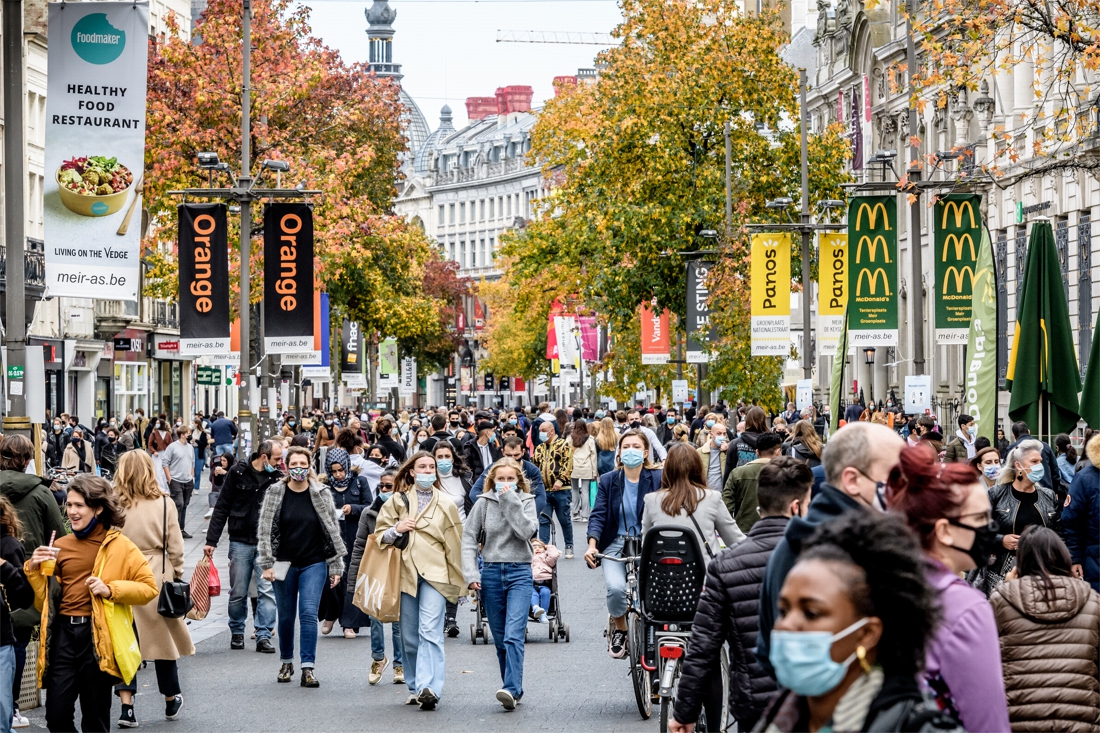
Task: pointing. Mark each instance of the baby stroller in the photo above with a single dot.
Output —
(558, 629)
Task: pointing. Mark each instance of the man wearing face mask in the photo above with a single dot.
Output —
(483, 452)
(55, 443)
(634, 419)
(961, 447)
(239, 503)
(857, 462)
(728, 609)
(713, 453)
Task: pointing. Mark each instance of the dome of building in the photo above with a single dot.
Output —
(414, 123)
(380, 14)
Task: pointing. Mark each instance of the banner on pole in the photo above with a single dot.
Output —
(389, 369)
(873, 271)
(407, 388)
(680, 390)
(770, 285)
(804, 394)
(958, 232)
(700, 332)
(203, 279)
(832, 290)
(95, 148)
(288, 278)
(655, 340)
(981, 346)
(351, 347)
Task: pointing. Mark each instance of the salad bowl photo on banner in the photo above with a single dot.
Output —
(95, 148)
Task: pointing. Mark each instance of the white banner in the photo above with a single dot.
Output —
(679, 390)
(918, 394)
(804, 394)
(407, 387)
(355, 380)
(828, 334)
(95, 148)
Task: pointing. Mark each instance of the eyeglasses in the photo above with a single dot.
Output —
(985, 517)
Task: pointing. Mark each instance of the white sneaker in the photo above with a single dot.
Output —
(19, 721)
(209, 513)
(537, 612)
(505, 698)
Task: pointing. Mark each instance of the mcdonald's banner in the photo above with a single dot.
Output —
(770, 296)
(958, 233)
(655, 340)
(288, 279)
(981, 348)
(873, 271)
(203, 279)
(832, 290)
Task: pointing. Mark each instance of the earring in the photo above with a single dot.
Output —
(861, 655)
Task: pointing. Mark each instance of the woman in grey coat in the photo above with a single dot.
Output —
(300, 549)
(503, 523)
(684, 500)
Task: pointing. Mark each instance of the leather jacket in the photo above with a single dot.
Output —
(1005, 506)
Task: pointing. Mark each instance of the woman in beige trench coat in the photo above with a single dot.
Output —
(151, 519)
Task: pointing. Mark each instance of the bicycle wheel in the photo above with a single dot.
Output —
(643, 691)
(666, 713)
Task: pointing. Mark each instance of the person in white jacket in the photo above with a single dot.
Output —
(584, 469)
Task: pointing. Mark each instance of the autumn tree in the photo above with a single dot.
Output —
(636, 161)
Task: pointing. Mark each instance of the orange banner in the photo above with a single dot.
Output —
(655, 340)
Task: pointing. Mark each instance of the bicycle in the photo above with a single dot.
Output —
(640, 674)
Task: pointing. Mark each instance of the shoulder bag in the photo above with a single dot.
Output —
(402, 540)
(175, 595)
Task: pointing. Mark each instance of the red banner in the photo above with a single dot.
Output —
(655, 341)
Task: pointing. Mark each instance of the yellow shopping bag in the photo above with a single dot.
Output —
(120, 625)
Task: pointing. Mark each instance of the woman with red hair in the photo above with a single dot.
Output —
(948, 508)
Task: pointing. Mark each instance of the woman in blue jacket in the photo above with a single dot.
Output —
(352, 495)
(617, 514)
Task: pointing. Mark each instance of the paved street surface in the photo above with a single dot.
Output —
(568, 687)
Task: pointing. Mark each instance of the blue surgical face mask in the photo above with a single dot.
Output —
(991, 471)
(269, 468)
(803, 661)
(512, 421)
(425, 480)
(710, 423)
(972, 431)
(719, 440)
(1036, 473)
(600, 415)
(506, 486)
(632, 457)
(444, 466)
(671, 420)
(386, 496)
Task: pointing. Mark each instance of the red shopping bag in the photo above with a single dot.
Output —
(214, 583)
(200, 589)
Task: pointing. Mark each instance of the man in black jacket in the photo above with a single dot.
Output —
(482, 453)
(728, 608)
(857, 460)
(239, 502)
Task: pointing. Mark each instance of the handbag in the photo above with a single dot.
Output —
(402, 540)
(120, 627)
(200, 589)
(175, 595)
(378, 585)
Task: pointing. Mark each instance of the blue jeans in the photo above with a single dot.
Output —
(300, 592)
(242, 569)
(7, 679)
(221, 448)
(614, 577)
(540, 597)
(200, 461)
(378, 642)
(506, 589)
(422, 634)
(557, 502)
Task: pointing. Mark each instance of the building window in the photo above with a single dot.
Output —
(492, 250)
(462, 254)
(484, 258)
(442, 215)
(462, 213)
(452, 213)
(509, 206)
(454, 256)
(1061, 245)
(1084, 290)
(1021, 260)
(491, 214)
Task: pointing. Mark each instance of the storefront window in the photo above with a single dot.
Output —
(102, 387)
(129, 388)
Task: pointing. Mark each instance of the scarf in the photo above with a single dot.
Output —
(339, 455)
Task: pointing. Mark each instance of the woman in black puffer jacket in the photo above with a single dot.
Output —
(729, 607)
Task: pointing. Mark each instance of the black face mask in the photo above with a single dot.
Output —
(636, 424)
(985, 542)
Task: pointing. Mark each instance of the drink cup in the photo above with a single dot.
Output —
(48, 567)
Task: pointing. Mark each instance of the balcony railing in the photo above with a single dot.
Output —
(34, 263)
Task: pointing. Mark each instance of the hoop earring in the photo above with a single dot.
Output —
(861, 655)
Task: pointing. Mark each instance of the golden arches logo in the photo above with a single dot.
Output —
(872, 281)
(958, 207)
(959, 241)
(872, 215)
(959, 274)
(872, 248)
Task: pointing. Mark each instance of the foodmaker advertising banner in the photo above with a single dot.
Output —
(288, 279)
(873, 271)
(95, 148)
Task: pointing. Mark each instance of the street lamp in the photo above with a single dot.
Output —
(869, 356)
(780, 203)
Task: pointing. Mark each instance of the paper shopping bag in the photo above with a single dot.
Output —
(378, 585)
(200, 590)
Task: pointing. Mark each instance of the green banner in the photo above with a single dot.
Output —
(836, 380)
(958, 231)
(873, 271)
(388, 362)
(208, 375)
(981, 345)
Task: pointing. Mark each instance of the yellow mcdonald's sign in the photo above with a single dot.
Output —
(958, 208)
(959, 273)
(872, 281)
(959, 241)
(872, 216)
(872, 247)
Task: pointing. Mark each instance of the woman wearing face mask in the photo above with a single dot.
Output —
(617, 515)
(855, 616)
(703, 435)
(455, 481)
(502, 524)
(290, 427)
(158, 440)
(987, 462)
(352, 495)
(1019, 501)
(301, 551)
(56, 444)
(424, 524)
(949, 510)
(367, 521)
(79, 455)
(584, 471)
(95, 563)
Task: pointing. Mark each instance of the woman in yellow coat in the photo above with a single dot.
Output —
(421, 519)
(95, 563)
(152, 525)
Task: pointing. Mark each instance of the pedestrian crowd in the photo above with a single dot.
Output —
(878, 576)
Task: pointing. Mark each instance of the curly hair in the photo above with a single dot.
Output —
(99, 494)
(885, 579)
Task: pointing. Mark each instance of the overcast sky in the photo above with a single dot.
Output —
(448, 49)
